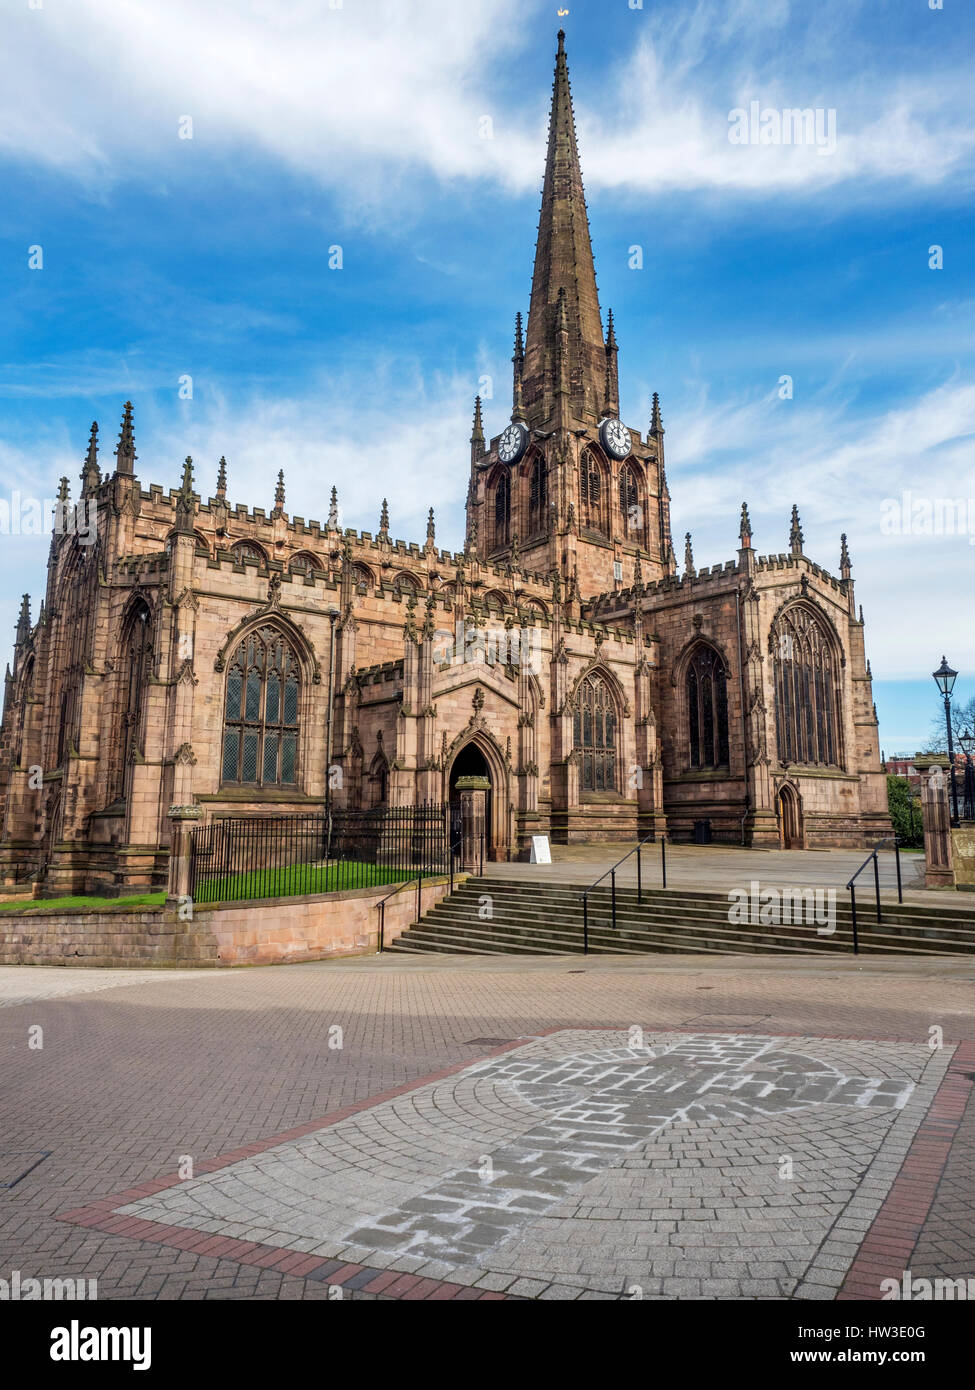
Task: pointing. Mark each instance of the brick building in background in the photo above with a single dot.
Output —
(210, 653)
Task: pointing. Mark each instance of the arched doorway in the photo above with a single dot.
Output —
(473, 809)
(790, 818)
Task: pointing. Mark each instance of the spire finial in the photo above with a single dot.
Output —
(656, 424)
(64, 491)
(638, 578)
(477, 434)
(184, 498)
(745, 529)
(431, 527)
(91, 474)
(795, 532)
(845, 566)
(125, 455)
(222, 477)
(23, 620)
(689, 569)
(332, 522)
(610, 333)
(384, 520)
(279, 493)
(519, 353)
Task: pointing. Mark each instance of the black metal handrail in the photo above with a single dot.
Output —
(872, 858)
(381, 905)
(611, 875)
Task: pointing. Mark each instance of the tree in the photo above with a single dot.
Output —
(905, 812)
(962, 718)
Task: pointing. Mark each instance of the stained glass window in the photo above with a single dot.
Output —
(706, 692)
(260, 740)
(595, 735)
(807, 700)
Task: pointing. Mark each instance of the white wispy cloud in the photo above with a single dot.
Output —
(841, 467)
(364, 98)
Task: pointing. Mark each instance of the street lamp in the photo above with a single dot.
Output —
(967, 741)
(944, 679)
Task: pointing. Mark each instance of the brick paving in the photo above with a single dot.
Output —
(139, 1072)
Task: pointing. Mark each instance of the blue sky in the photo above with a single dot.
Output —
(363, 126)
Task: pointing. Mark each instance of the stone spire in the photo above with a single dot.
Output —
(222, 478)
(125, 455)
(563, 261)
(795, 533)
(689, 569)
(745, 529)
(279, 494)
(846, 568)
(431, 528)
(384, 520)
(91, 474)
(332, 521)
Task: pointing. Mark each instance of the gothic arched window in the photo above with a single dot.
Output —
(135, 672)
(260, 734)
(591, 493)
(630, 509)
(245, 552)
(502, 511)
(706, 691)
(537, 498)
(594, 735)
(303, 563)
(807, 699)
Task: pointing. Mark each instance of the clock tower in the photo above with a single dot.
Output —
(567, 485)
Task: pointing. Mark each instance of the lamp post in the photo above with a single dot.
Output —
(967, 741)
(944, 679)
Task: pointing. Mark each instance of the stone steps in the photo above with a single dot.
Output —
(547, 919)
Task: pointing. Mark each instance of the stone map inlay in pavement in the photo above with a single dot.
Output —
(695, 1165)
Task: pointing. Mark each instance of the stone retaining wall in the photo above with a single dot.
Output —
(265, 932)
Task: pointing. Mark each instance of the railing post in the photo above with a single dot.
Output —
(663, 858)
(897, 860)
(382, 925)
(585, 924)
(612, 879)
(419, 893)
(876, 882)
(853, 910)
(639, 876)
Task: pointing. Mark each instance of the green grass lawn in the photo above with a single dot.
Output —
(287, 882)
(81, 904)
(295, 879)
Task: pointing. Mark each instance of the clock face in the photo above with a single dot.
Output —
(616, 438)
(513, 443)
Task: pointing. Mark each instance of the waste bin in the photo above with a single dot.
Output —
(702, 832)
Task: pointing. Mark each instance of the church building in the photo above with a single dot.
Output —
(251, 662)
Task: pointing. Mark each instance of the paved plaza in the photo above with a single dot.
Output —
(443, 1128)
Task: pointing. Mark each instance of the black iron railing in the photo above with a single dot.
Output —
(283, 856)
(872, 859)
(611, 875)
